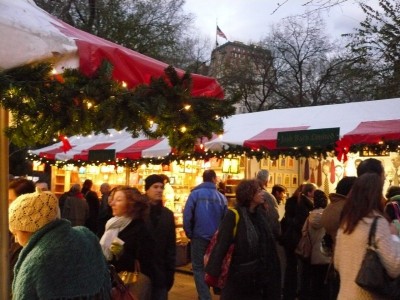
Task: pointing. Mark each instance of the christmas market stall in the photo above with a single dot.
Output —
(327, 142)
(319, 144)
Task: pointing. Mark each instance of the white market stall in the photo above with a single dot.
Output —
(369, 122)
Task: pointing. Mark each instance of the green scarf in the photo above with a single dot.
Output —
(61, 262)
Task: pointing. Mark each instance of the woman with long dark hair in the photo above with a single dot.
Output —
(364, 203)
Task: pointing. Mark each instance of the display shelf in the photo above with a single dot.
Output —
(60, 181)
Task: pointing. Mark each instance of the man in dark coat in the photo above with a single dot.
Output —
(161, 223)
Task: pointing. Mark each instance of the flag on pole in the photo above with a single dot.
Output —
(220, 33)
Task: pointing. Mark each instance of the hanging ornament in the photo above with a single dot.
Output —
(66, 146)
(307, 170)
(319, 173)
(332, 172)
(342, 148)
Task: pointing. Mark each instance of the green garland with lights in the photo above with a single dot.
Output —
(231, 151)
(44, 106)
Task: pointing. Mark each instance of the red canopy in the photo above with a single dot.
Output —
(268, 137)
(373, 132)
(129, 66)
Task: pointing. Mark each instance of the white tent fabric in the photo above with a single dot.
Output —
(117, 140)
(241, 128)
(30, 35)
(348, 116)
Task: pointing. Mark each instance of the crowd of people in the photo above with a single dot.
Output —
(60, 243)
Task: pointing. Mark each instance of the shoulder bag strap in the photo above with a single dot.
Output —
(236, 220)
(371, 236)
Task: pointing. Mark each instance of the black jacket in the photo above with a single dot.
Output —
(161, 224)
(265, 254)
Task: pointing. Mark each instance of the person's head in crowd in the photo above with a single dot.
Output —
(364, 197)
(209, 176)
(221, 187)
(320, 199)
(42, 185)
(263, 176)
(31, 212)
(75, 189)
(127, 201)
(392, 191)
(280, 192)
(297, 191)
(87, 186)
(18, 187)
(308, 190)
(345, 184)
(154, 187)
(105, 188)
(249, 193)
(165, 178)
(371, 165)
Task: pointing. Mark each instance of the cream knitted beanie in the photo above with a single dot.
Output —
(30, 212)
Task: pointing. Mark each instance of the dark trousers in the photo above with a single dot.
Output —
(304, 268)
(318, 284)
(290, 277)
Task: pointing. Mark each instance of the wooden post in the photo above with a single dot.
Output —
(4, 243)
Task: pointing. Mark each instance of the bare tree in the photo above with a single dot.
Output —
(315, 6)
(305, 62)
(248, 77)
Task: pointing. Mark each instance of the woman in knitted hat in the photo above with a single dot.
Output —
(16, 187)
(57, 261)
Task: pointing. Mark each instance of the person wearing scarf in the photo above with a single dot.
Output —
(126, 237)
(57, 261)
(254, 271)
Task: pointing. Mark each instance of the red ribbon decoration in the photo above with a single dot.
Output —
(59, 78)
(66, 146)
(342, 148)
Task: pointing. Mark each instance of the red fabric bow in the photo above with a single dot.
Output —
(66, 146)
(342, 148)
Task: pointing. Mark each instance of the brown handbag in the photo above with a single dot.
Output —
(119, 290)
(137, 283)
(304, 247)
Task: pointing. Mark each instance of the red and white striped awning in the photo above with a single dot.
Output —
(122, 142)
(359, 122)
(364, 122)
(33, 35)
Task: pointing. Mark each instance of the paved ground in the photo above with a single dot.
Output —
(184, 288)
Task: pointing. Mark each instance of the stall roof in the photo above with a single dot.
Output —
(357, 120)
(34, 35)
(245, 128)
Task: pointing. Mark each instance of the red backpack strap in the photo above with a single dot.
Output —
(396, 209)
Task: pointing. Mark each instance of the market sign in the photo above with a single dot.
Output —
(102, 155)
(311, 137)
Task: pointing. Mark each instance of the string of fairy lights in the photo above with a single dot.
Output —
(47, 106)
(380, 149)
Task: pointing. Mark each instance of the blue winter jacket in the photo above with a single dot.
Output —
(204, 210)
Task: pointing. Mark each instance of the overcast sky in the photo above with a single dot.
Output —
(250, 20)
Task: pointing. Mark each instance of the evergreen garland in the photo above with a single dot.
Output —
(44, 106)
